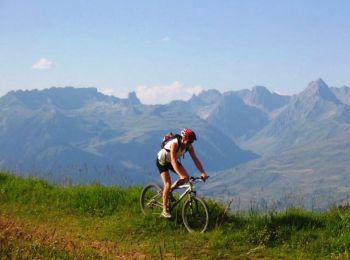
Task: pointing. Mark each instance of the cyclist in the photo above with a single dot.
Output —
(168, 158)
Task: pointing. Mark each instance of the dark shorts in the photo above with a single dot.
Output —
(165, 167)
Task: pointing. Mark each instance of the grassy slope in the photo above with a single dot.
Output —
(39, 219)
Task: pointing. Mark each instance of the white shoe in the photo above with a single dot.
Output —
(166, 214)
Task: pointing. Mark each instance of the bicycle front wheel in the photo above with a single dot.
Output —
(195, 215)
(151, 200)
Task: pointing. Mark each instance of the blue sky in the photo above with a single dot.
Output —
(167, 50)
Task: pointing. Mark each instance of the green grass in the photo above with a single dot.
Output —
(40, 219)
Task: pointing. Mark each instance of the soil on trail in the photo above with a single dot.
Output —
(76, 245)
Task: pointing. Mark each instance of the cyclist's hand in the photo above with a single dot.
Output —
(204, 176)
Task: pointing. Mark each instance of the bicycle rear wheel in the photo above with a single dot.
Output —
(195, 215)
(151, 200)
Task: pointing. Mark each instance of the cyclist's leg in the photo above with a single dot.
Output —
(166, 189)
(183, 175)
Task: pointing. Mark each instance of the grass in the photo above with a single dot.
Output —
(38, 219)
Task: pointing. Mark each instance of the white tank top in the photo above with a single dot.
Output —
(164, 155)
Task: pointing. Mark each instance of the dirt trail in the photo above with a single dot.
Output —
(52, 238)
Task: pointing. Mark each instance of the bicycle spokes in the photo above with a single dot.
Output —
(151, 200)
(195, 215)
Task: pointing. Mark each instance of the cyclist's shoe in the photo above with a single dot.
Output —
(166, 214)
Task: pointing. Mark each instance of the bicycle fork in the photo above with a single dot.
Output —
(193, 203)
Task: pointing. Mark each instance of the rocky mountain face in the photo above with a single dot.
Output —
(238, 114)
(237, 119)
(343, 94)
(311, 116)
(263, 99)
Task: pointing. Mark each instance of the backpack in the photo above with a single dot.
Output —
(170, 136)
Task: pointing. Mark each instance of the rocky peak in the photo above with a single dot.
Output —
(321, 90)
(133, 99)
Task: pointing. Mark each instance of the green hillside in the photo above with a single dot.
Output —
(38, 219)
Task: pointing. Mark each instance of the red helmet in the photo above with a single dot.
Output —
(189, 134)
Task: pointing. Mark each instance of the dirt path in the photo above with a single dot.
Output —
(12, 229)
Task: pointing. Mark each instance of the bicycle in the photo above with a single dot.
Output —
(195, 214)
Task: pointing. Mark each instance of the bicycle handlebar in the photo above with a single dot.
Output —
(197, 178)
(192, 180)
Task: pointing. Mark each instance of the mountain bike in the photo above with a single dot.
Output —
(195, 214)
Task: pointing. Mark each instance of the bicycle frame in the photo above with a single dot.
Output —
(189, 190)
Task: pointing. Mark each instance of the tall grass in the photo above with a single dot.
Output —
(275, 233)
(94, 200)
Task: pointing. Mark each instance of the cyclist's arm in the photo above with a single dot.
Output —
(197, 162)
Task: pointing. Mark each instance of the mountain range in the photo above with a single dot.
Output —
(83, 135)
(257, 145)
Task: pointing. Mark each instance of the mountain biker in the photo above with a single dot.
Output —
(168, 158)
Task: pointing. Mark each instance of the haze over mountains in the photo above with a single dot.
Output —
(255, 143)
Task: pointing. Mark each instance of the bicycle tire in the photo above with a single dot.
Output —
(195, 215)
(151, 200)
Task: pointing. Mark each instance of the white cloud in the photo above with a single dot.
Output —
(281, 93)
(166, 94)
(107, 91)
(42, 64)
(112, 92)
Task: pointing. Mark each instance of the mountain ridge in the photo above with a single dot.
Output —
(242, 135)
